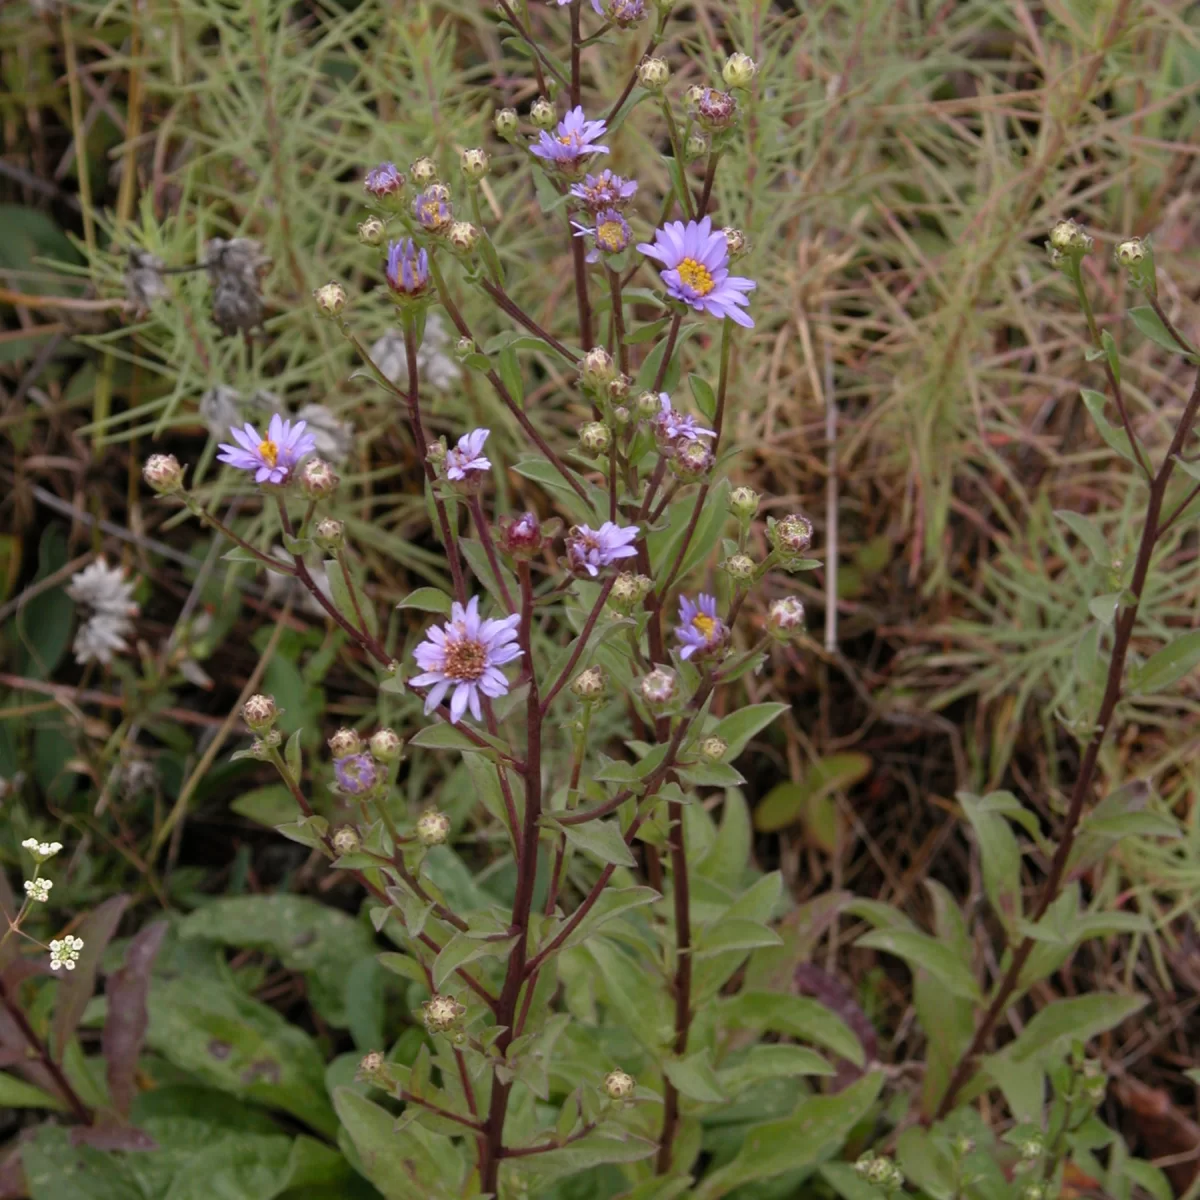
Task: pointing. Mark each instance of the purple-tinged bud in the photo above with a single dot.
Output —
(423, 171)
(595, 438)
(618, 1085)
(715, 110)
(743, 503)
(317, 479)
(345, 743)
(521, 537)
(696, 147)
(653, 74)
(659, 687)
(433, 827)
(596, 368)
(330, 298)
(590, 685)
(346, 840)
(260, 712)
(384, 184)
(372, 231)
(741, 568)
(463, 236)
(475, 164)
(628, 591)
(735, 241)
(785, 618)
(441, 1013)
(542, 114)
(625, 14)
(330, 534)
(432, 209)
(713, 748)
(407, 269)
(385, 745)
(692, 460)
(506, 124)
(163, 473)
(792, 536)
(356, 774)
(739, 70)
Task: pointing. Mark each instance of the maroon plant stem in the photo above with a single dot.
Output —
(1151, 530)
(672, 337)
(614, 284)
(526, 1151)
(489, 548)
(465, 1080)
(582, 301)
(445, 1113)
(79, 1110)
(580, 644)
(706, 193)
(575, 40)
(518, 314)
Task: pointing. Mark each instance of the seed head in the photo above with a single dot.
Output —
(743, 503)
(618, 1085)
(423, 172)
(542, 114)
(713, 748)
(163, 473)
(329, 534)
(463, 236)
(597, 368)
(318, 479)
(260, 712)
(345, 743)
(346, 840)
(433, 827)
(735, 241)
(653, 74)
(385, 745)
(739, 70)
(506, 123)
(330, 298)
(372, 231)
(785, 618)
(441, 1013)
(590, 685)
(594, 438)
(475, 164)
(741, 568)
(659, 687)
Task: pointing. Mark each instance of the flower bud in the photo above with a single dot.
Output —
(1033, 1191)
(317, 479)
(385, 185)
(475, 164)
(1130, 252)
(590, 685)
(506, 123)
(330, 298)
(659, 687)
(792, 536)
(716, 110)
(345, 743)
(618, 1085)
(743, 503)
(346, 840)
(597, 368)
(163, 473)
(1137, 257)
(963, 1145)
(741, 568)
(1068, 244)
(260, 712)
(433, 827)
(463, 236)
(521, 538)
(1031, 1148)
(739, 70)
(263, 747)
(735, 241)
(594, 438)
(329, 534)
(785, 617)
(385, 745)
(423, 172)
(542, 114)
(436, 454)
(373, 1069)
(464, 348)
(441, 1013)
(693, 460)
(647, 406)
(372, 231)
(696, 147)
(653, 74)
(618, 389)
(628, 591)
(713, 748)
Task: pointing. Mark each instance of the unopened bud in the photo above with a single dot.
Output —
(792, 536)
(716, 110)
(1033, 1191)
(696, 147)
(371, 1067)
(433, 827)
(590, 685)
(318, 479)
(963, 1145)
(542, 114)
(785, 617)
(506, 123)
(346, 840)
(436, 454)
(464, 348)
(385, 745)
(372, 231)
(423, 171)
(330, 534)
(743, 503)
(741, 568)
(522, 537)
(475, 164)
(618, 389)
(330, 298)
(163, 473)
(259, 712)
(739, 70)
(264, 747)
(1137, 257)
(345, 743)
(1069, 242)
(659, 687)
(653, 74)
(647, 405)
(713, 748)
(618, 1085)
(594, 438)
(628, 591)
(693, 460)
(463, 236)
(441, 1013)
(1031, 1148)
(735, 241)
(1130, 252)
(597, 368)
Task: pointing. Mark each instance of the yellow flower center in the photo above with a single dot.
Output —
(696, 276)
(610, 235)
(268, 452)
(704, 624)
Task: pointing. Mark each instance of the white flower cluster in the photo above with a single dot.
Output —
(41, 850)
(38, 890)
(65, 953)
(108, 598)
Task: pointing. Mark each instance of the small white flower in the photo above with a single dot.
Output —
(104, 591)
(41, 850)
(30, 844)
(38, 890)
(65, 953)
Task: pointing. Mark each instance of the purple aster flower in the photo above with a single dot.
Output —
(695, 269)
(468, 456)
(383, 182)
(610, 235)
(673, 427)
(700, 630)
(571, 141)
(626, 13)
(590, 549)
(356, 773)
(407, 268)
(605, 190)
(272, 458)
(466, 654)
(596, 5)
(432, 208)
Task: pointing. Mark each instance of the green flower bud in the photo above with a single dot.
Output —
(344, 743)
(329, 534)
(318, 480)
(464, 347)
(163, 473)
(628, 591)
(743, 503)
(423, 172)
(653, 74)
(596, 368)
(739, 70)
(618, 1085)
(346, 840)
(506, 123)
(433, 827)
(590, 685)
(542, 114)
(713, 748)
(260, 713)
(594, 438)
(441, 1013)
(647, 406)
(741, 568)
(463, 236)
(372, 231)
(385, 745)
(475, 164)
(696, 147)
(330, 298)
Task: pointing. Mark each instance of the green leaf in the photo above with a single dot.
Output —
(612, 902)
(1134, 824)
(427, 599)
(603, 840)
(1104, 608)
(796, 1016)
(1074, 1019)
(735, 933)
(1150, 325)
(816, 1131)
(1089, 533)
(16, 1093)
(787, 803)
(706, 399)
(1168, 665)
(695, 1078)
(926, 1164)
(343, 601)
(1000, 856)
(1116, 437)
(739, 727)
(772, 1062)
(547, 475)
(444, 736)
(923, 952)
(462, 949)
